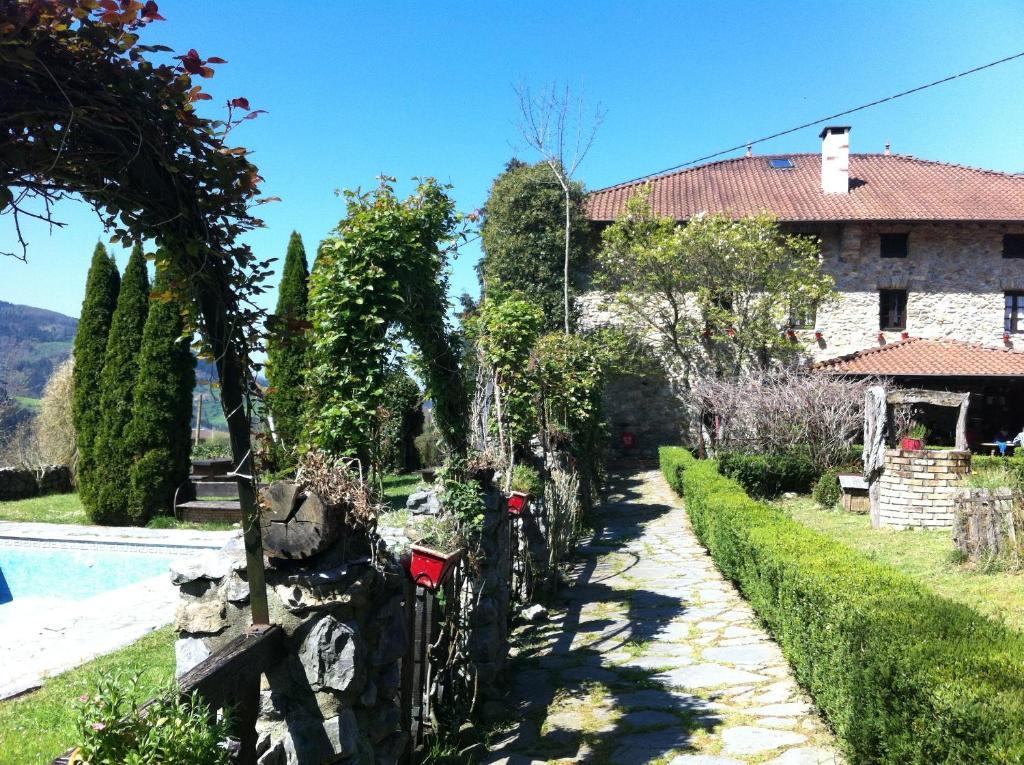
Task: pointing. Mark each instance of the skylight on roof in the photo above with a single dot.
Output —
(781, 163)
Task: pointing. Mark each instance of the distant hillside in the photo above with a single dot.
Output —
(33, 341)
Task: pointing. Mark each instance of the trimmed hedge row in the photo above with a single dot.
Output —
(1015, 464)
(769, 475)
(903, 675)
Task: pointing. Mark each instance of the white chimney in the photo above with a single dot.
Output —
(835, 159)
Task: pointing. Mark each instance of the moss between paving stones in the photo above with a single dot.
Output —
(904, 676)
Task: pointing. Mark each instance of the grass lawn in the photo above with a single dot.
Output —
(398, 487)
(36, 728)
(928, 556)
(67, 508)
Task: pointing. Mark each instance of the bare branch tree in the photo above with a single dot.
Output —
(555, 125)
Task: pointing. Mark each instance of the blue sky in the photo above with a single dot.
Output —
(356, 89)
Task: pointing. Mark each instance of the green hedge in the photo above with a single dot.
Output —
(903, 676)
(1015, 464)
(769, 475)
(827, 491)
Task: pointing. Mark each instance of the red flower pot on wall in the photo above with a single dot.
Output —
(911, 444)
(518, 503)
(429, 568)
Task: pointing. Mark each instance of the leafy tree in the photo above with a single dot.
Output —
(286, 352)
(383, 273)
(523, 237)
(109, 501)
(400, 419)
(714, 293)
(159, 435)
(101, 290)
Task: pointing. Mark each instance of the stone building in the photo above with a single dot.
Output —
(917, 248)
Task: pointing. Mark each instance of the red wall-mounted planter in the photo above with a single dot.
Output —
(429, 568)
(911, 444)
(518, 503)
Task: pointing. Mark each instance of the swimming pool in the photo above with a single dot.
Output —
(74, 572)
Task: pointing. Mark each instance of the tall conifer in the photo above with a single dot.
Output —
(162, 408)
(286, 354)
(98, 306)
(114, 456)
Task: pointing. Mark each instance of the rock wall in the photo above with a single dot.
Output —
(918, 489)
(645, 407)
(335, 697)
(22, 483)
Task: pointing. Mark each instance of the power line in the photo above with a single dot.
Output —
(843, 113)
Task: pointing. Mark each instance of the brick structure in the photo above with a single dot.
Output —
(918, 489)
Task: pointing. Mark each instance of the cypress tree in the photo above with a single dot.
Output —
(160, 429)
(286, 353)
(109, 502)
(101, 288)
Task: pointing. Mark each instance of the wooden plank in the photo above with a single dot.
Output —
(227, 489)
(923, 396)
(209, 504)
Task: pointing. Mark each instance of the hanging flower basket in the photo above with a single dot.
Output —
(518, 503)
(911, 444)
(429, 568)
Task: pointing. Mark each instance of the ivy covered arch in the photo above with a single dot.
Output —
(382, 276)
(86, 113)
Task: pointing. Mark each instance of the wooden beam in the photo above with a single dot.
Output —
(924, 396)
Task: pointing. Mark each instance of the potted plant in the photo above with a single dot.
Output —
(524, 484)
(913, 439)
(435, 554)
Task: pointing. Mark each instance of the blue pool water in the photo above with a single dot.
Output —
(69, 573)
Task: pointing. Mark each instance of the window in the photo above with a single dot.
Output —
(892, 309)
(802, 315)
(1013, 319)
(893, 245)
(781, 163)
(1013, 245)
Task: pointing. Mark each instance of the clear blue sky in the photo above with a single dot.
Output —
(356, 89)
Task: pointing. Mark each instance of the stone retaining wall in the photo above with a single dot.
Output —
(22, 483)
(919, 488)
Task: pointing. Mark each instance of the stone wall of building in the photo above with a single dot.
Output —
(919, 489)
(954, 274)
(22, 483)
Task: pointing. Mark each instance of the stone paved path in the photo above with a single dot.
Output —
(654, 658)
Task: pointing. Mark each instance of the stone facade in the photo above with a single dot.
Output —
(954, 274)
(919, 489)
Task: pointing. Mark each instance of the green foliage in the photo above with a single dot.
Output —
(523, 238)
(385, 267)
(462, 500)
(506, 330)
(827, 491)
(1014, 466)
(769, 475)
(428, 446)
(903, 676)
(101, 290)
(219, 448)
(526, 480)
(109, 502)
(399, 416)
(286, 350)
(715, 288)
(160, 433)
(114, 730)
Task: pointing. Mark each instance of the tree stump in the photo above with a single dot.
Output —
(296, 524)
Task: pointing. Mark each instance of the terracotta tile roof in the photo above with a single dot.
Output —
(920, 357)
(896, 187)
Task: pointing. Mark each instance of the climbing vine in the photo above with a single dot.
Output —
(380, 278)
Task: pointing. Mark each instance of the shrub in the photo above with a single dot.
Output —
(903, 675)
(114, 728)
(674, 460)
(769, 475)
(827, 491)
(981, 464)
(526, 479)
(428, 446)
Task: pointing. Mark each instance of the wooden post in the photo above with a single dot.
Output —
(408, 662)
(199, 418)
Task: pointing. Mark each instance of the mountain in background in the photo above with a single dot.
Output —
(34, 342)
